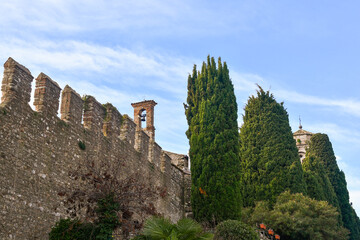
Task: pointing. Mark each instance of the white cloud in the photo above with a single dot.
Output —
(336, 132)
(155, 17)
(246, 81)
(349, 106)
(163, 72)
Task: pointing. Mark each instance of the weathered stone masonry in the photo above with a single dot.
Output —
(38, 150)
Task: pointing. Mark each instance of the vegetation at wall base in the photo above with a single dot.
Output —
(158, 228)
(270, 161)
(102, 229)
(211, 113)
(107, 200)
(67, 229)
(320, 147)
(235, 230)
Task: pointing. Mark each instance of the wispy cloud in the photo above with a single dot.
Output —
(349, 106)
(336, 132)
(247, 82)
(119, 64)
(153, 16)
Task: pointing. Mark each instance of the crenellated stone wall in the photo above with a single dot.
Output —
(39, 150)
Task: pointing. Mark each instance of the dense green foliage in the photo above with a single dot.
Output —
(270, 161)
(317, 181)
(157, 228)
(67, 229)
(107, 217)
(296, 217)
(235, 230)
(320, 146)
(102, 229)
(211, 112)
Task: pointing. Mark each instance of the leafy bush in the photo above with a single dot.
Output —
(107, 217)
(157, 228)
(235, 230)
(67, 229)
(298, 217)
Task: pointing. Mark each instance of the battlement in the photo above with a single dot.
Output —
(47, 94)
(104, 120)
(16, 84)
(39, 150)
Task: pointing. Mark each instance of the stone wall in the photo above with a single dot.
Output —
(39, 150)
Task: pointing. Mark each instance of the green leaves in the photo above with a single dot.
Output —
(270, 162)
(67, 229)
(295, 217)
(213, 136)
(102, 229)
(235, 230)
(157, 228)
(321, 149)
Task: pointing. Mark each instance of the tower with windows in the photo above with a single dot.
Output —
(302, 138)
(144, 112)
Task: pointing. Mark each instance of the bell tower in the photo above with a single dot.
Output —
(302, 139)
(144, 112)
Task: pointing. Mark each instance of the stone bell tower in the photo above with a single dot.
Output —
(144, 112)
(302, 138)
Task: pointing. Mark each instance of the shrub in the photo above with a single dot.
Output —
(101, 229)
(158, 228)
(234, 230)
(67, 229)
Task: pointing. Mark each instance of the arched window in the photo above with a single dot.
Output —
(142, 116)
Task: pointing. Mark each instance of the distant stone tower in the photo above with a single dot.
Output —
(302, 139)
(144, 112)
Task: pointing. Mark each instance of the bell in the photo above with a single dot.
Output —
(142, 117)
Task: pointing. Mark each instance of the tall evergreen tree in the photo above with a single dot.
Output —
(211, 112)
(320, 146)
(317, 181)
(270, 161)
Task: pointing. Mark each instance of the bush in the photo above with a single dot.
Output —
(67, 229)
(158, 228)
(101, 229)
(235, 230)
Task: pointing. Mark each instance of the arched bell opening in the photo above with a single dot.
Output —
(144, 112)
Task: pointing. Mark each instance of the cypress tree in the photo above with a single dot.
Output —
(270, 161)
(317, 181)
(211, 112)
(320, 146)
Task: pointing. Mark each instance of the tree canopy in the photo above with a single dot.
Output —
(296, 217)
(320, 147)
(235, 230)
(270, 161)
(317, 181)
(211, 112)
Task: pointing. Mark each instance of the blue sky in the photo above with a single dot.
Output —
(305, 52)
